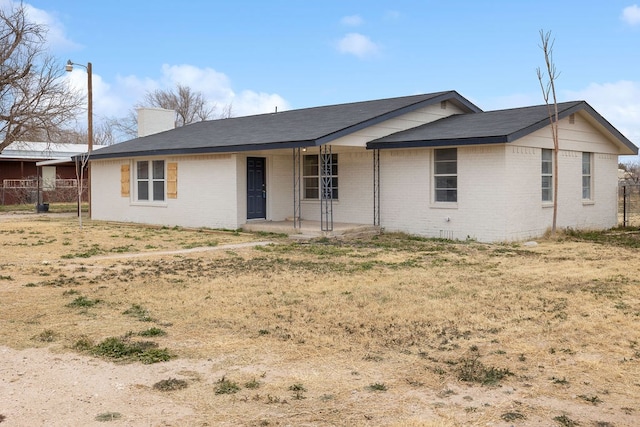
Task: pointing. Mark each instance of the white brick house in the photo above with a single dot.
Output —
(432, 165)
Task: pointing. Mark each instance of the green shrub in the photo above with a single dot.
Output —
(83, 302)
(170, 384)
(225, 386)
(472, 370)
(120, 348)
(152, 332)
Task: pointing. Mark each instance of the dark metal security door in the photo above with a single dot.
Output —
(256, 188)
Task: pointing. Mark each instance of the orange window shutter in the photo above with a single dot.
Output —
(172, 180)
(125, 176)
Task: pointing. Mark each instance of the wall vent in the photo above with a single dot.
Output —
(443, 105)
(572, 119)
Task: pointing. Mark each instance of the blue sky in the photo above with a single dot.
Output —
(259, 55)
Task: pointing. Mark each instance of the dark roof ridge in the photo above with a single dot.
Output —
(491, 127)
(290, 128)
(318, 107)
(434, 97)
(565, 103)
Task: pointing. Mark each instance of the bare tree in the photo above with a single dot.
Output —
(124, 128)
(190, 106)
(547, 80)
(227, 111)
(34, 99)
(103, 134)
(632, 171)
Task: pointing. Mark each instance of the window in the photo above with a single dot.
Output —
(445, 166)
(586, 176)
(150, 180)
(547, 175)
(311, 176)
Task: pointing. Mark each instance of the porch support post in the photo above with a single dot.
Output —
(326, 188)
(376, 187)
(297, 191)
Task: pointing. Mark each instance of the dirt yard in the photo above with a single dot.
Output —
(120, 325)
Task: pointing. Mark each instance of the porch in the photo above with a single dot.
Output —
(311, 229)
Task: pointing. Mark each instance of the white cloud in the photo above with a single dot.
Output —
(213, 84)
(617, 102)
(55, 36)
(631, 15)
(358, 45)
(216, 87)
(135, 88)
(249, 102)
(107, 102)
(117, 99)
(352, 20)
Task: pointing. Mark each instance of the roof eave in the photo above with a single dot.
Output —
(615, 133)
(544, 122)
(204, 150)
(497, 139)
(578, 107)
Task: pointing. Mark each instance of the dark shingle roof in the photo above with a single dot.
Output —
(490, 127)
(287, 129)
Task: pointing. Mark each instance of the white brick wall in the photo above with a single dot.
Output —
(280, 186)
(408, 196)
(404, 192)
(355, 188)
(526, 215)
(410, 120)
(206, 194)
(499, 194)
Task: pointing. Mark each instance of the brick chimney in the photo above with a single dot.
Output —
(155, 120)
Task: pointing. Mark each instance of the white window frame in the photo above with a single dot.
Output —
(587, 176)
(311, 178)
(155, 181)
(445, 174)
(546, 172)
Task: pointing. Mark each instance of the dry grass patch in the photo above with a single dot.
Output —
(369, 332)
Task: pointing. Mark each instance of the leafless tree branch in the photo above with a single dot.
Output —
(190, 107)
(549, 94)
(34, 99)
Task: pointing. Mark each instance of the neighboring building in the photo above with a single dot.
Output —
(24, 165)
(627, 177)
(432, 165)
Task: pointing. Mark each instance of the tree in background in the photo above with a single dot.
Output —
(547, 84)
(102, 135)
(190, 107)
(34, 100)
(632, 172)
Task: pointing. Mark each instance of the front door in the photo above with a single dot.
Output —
(256, 188)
